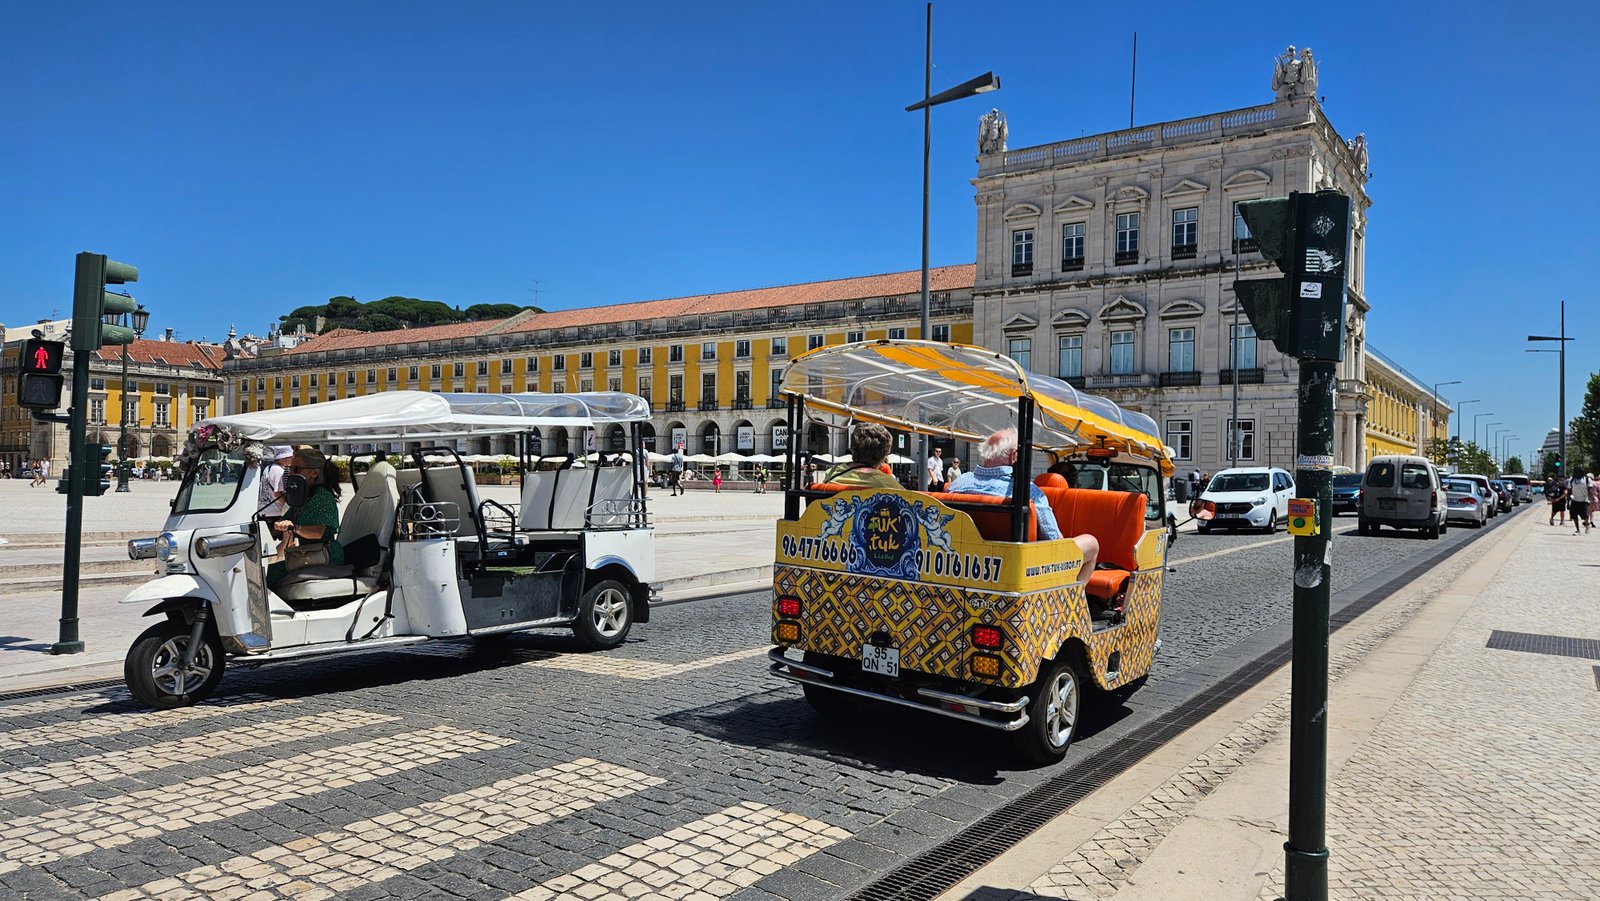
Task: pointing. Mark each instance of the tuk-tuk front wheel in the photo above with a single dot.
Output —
(605, 614)
(1053, 715)
(154, 667)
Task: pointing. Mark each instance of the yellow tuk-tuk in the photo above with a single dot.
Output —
(945, 602)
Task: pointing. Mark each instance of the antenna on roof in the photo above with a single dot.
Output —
(534, 291)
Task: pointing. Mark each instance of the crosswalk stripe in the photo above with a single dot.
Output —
(331, 863)
(66, 702)
(631, 668)
(111, 724)
(71, 831)
(713, 857)
(119, 764)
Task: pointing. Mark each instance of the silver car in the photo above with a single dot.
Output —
(1464, 504)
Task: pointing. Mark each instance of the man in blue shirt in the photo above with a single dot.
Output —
(996, 457)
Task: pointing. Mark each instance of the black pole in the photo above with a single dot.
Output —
(1561, 424)
(1022, 471)
(926, 333)
(1133, 78)
(1306, 851)
(122, 439)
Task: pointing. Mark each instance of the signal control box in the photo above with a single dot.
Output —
(1303, 516)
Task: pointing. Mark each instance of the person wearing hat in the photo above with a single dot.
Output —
(273, 506)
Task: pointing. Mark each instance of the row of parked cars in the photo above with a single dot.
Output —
(1401, 492)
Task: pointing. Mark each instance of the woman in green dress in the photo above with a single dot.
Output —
(317, 521)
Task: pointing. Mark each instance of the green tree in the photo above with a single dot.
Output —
(1584, 446)
(1514, 466)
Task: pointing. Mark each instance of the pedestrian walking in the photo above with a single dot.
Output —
(1555, 491)
(761, 479)
(936, 470)
(675, 474)
(1594, 497)
(1578, 494)
(954, 472)
(716, 480)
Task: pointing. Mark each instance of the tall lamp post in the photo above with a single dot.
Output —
(1561, 412)
(141, 318)
(1433, 423)
(1486, 427)
(1495, 442)
(980, 85)
(1460, 416)
(1475, 418)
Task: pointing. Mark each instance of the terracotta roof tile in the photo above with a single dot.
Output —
(943, 278)
(166, 353)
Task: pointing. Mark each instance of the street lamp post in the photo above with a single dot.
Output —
(1460, 416)
(1561, 412)
(1486, 427)
(1475, 418)
(1495, 441)
(1433, 423)
(141, 318)
(982, 84)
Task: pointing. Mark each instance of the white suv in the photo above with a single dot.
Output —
(1256, 496)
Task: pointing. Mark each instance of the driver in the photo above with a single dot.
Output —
(996, 457)
(317, 521)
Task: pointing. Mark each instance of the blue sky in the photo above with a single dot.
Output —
(251, 158)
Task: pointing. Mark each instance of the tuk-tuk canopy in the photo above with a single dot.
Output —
(962, 391)
(423, 416)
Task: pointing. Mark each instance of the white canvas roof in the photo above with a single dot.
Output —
(421, 415)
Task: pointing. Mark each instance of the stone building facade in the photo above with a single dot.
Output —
(1109, 260)
(171, 386)
(708, 364)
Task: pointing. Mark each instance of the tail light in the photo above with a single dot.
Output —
(987, 637)
(1470, 501)
(1433, 501)
(789, 607)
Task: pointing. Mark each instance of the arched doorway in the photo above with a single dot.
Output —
(556, 444)
(616, 439)
(710, 439)
(744, 438)
(161, 446)
(647, 431)
(777, 437)
(133, 447)
(677, 438)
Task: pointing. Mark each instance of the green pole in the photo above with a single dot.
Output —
(76, 473)
(1306, 851)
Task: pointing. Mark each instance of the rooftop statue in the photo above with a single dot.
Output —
(1295, 75)
(992, 132)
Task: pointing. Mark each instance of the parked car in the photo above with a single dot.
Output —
(1402, 492)
(1485, 492)
(1506, 494)
(1255, 497)
(1523, 485)
(1464, 505)
(1347, 493)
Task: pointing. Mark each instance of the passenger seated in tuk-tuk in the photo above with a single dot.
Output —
(869, 448)
(317, 522)
(996, 457)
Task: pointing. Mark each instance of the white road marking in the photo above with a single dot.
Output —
(629, 668)
(331, 863)
(714, 857)
(97, 725)
(114, 765)
(108, 823)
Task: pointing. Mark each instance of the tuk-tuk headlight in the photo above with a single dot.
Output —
(166, 543)
(141, 548)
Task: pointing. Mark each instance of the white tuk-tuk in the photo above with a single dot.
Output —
(426, 558)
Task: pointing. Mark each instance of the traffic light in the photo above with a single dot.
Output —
(40, 387)
(92, 303)
(1557, 460)
(1308, 237)
(98, 481)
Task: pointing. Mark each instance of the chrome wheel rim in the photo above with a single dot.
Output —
(610, 614)
(166, 667)
(1061, 710)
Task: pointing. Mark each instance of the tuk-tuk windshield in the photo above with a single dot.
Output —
(1117, 476)
(212, 483)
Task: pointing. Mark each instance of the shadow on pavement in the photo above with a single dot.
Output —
(990, 893)
(876, 736)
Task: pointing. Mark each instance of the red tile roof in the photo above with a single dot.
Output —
(166, 353)
(944, 278)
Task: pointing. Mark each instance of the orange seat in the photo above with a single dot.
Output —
(1050, 480)
(993, 525)
(1115, 518)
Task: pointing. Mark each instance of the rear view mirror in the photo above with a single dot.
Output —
(296, 490)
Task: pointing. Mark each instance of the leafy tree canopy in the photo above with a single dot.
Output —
(1514, 466)
(1584, 446)
(390, 313)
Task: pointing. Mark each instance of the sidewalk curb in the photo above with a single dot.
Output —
(1212, 856)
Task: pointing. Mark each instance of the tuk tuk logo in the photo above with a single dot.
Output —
(886, 533)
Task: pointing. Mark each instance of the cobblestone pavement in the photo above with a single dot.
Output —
(671, 767)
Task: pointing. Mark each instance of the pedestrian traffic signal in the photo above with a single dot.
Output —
(98, 479)
(92, 303)
(40, 365)
(1558, 461)
(1308, 237)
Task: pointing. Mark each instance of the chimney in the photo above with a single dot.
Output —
(167, 336)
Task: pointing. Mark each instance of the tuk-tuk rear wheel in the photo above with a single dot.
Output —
(152, 666)
(1053, 714)
(605, 614)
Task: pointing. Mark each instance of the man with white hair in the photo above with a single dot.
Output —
(997, 455)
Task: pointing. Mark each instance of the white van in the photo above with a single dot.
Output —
(1403, 492)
